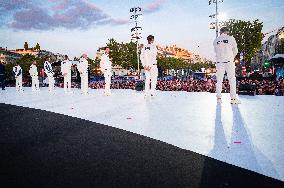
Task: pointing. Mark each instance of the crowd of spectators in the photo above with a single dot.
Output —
(263, 87)
(267, 87)
(186, 85)
(114, 85)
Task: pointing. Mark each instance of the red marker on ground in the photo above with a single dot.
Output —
(237, 142)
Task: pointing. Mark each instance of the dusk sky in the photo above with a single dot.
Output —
(74, 27)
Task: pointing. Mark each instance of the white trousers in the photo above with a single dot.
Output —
(151, 81)
(67, 83)
(230, 69)
(19, 85)
(50, 83)
(107, 76)
(35, 83)
(84, 83)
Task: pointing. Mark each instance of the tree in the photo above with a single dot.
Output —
(93, 65)
(123, 54)
(167, 63)
(248, 36)
(9, 70)
(26, 46)
(25, 63)
(37, 47)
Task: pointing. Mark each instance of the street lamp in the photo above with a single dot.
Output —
(136, 32)
(216, 15)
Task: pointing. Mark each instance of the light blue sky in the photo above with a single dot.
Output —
(74, 27)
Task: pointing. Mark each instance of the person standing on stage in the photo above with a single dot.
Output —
(49, 72)
(66, 72)
(149, 61)
(105, 65)
(226, 49)
(17, 70)
(2, 75)
(34, 74)
(83, 70)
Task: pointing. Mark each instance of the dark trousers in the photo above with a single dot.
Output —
(2, 80)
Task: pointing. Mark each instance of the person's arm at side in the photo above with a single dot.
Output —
(235, 46)
(143, 59)
(19, 73)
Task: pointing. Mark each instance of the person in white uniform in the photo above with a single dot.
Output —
(149, 61)
(105, 65)
(226, 49)
(34, 74)
(49, 72)
(66, 72)
(18, 76)
(83, 70)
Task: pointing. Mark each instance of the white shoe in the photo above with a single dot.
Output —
(235, 101)
(219, 100)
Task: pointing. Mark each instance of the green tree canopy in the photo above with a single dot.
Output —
(123, 54)
(248, 36)
(172, 63)
(25, 63)
(167, 63)
(93, 64)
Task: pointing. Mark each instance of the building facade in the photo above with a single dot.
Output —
(269, 48)
(8, 57)
(181, 53)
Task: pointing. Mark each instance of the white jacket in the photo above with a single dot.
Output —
(225, 47)
(105, 63)
(148, 55)
(82, 66)
(66, 67)
(33, 70)
(17, 71)
(48, 69)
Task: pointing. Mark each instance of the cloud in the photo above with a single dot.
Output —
(79, 14)
(154, 6)
(33, 18)
(13, 4)
(70, 14)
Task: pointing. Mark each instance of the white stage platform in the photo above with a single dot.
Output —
(250, 135)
